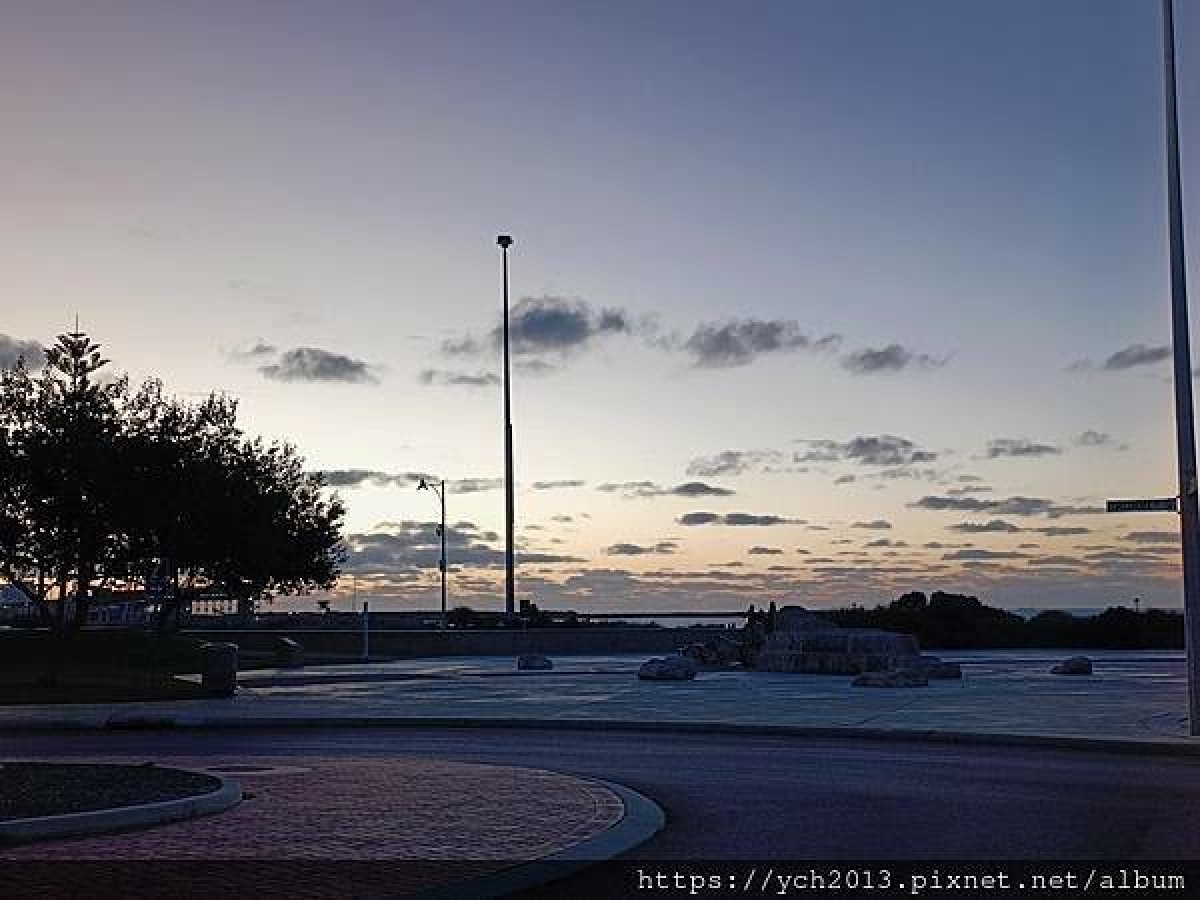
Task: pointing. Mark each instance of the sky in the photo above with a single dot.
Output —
(812, 301)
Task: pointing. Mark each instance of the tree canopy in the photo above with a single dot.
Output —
(103, 487)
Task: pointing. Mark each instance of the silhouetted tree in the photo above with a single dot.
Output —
(100, 485)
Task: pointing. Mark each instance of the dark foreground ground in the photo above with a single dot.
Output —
(746, 797)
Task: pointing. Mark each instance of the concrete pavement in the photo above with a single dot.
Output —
(1130, 698)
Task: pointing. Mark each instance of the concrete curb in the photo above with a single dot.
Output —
(119, 818)
(1137, 746)
(642, 820)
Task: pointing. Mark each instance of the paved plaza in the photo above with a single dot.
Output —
(1131, 697)
(445, 822)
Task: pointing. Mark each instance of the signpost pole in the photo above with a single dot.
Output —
(366, 642)
(1185, 433)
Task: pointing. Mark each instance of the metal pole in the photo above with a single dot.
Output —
(509, 574)
(366, 650)
(442, 497)
(1185, 428)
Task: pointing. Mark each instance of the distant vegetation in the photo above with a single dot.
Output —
(956, 621)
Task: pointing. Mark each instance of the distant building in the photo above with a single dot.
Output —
(14, 604)
(125, 613)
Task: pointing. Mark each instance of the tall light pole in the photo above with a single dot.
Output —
(1185, 428)
(441, 493)
(510, 607)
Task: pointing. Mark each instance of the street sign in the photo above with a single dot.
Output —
(1158, 504)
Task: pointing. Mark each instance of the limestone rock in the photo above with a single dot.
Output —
(534, 662)
(1075, 665)
(671, 668)
(701, 654)
(838, 651)
(718, 652)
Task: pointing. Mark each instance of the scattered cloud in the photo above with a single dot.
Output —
(764, 551)
(1136, 355)
(623, 549)
(474, 485)
(353, 478)
(733, 462)
(884, 542)
(462, 346)
(12, 349)
(1013, 506)
(1019, 447)
(1092, 438)
(1153, 537)
(546, 325)
(410, 547)
(535, 367)
(889, 360)
(447, 378)
(961, 489)
(630, 488)
(980, 554)
(254, 352)
(1061, 530)
(876, 525)
(555, 324)
(1059, 560)
(869, 450)
(1127, 358)
(699, 489)
(994, 526)
(741, 342)
(708, 518)
(556, 485)
(312, 364)
(652, 489)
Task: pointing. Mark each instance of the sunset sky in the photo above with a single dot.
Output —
(812, 301)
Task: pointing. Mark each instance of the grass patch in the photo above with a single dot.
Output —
(23, 689)
(29, 789)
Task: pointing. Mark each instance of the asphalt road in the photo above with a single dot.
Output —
(746, 797)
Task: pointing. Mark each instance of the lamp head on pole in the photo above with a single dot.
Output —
(504, 240)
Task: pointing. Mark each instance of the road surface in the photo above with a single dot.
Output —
(748, 797)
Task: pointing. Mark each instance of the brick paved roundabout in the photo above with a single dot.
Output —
(347, 827)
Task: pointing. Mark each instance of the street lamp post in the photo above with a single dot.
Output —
(505, 241)
(441, 493)
(1185, 429)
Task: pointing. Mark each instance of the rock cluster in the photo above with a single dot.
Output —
(670, 668)
(718, 652)
(1075, 665)
(806, 643)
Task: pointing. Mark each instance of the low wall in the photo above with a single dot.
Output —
(469, 642)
